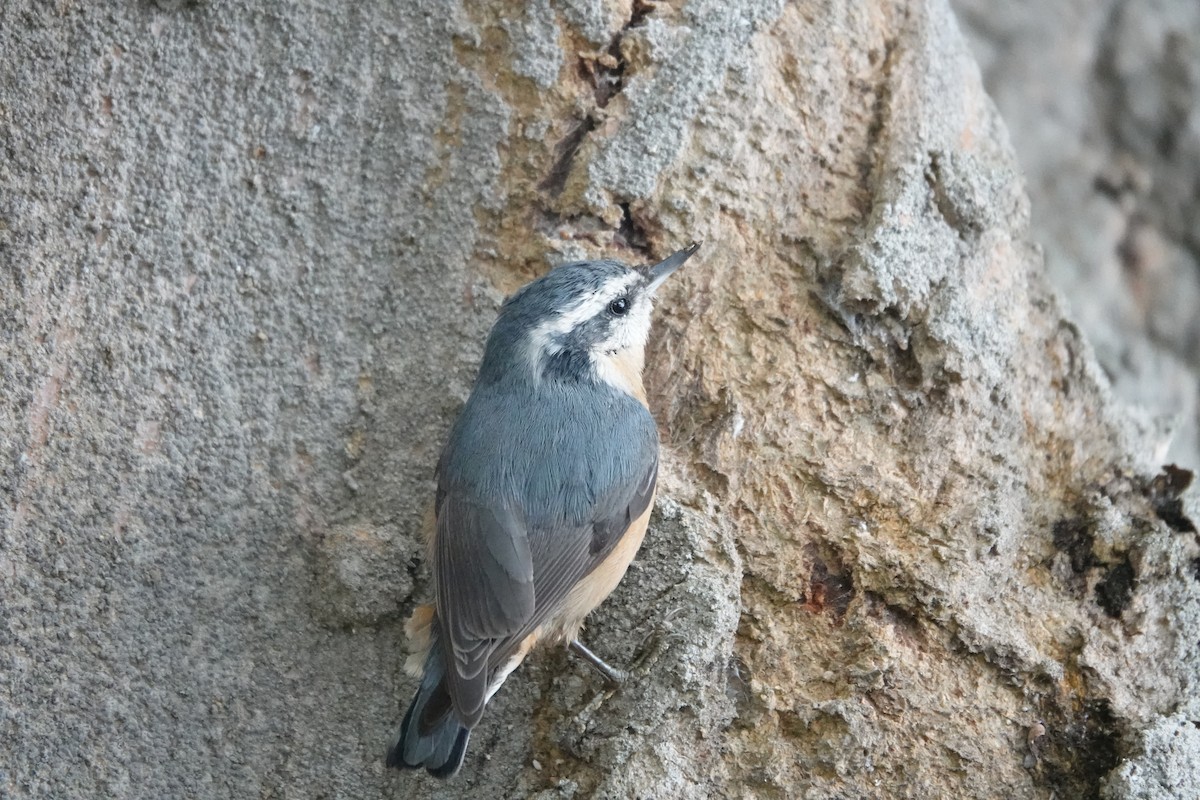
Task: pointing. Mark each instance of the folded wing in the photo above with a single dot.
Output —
(499, 577)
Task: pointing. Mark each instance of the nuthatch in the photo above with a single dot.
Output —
(544, 490)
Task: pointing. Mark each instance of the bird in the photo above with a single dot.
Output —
(544, 491)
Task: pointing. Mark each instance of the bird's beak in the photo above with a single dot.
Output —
(663, 269)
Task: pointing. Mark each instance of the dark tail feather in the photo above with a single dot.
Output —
(430, 735)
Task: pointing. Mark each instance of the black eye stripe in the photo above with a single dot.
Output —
(619, 307)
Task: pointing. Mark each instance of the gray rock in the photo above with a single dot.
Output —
(248, 258)
(1168, 767)
(1101, 99)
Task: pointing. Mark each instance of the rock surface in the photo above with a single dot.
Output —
(909, 546)
(1103, 102)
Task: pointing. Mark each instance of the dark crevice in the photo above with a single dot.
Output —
(564, 155)
(1073, 536)
(632, 235)
(1081, 749)
(606, 73)
(1171, 512)
(830, 585)
(1116, 577)
(898, 337)
(906, 369)
(641, 10)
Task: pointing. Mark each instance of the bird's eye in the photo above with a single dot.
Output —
(620, 306)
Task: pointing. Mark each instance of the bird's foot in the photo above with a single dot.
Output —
(650, 651)
(611, 674)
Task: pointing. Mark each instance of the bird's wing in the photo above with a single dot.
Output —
(498, 578)
(483, 572)
(564, 556)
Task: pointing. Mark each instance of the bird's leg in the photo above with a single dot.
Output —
(613, 675)
(652, 648)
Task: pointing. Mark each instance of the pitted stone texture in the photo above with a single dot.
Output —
(250, 258)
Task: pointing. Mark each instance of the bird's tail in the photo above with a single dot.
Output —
(431, 735)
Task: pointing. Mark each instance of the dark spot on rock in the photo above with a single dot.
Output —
(1176, 479)
(1164, 493)
(1115, 589)
(1080, 750)
(1072, 536)
(641, 9)
(178, 5)
(830, 587)
(1171, 512)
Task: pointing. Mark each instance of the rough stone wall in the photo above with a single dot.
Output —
(1103, 101)
(909, 545)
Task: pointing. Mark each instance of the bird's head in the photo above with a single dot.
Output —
(584, 321)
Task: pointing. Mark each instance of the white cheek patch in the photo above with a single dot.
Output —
(540, 345)
(632, 331)
(626, 340)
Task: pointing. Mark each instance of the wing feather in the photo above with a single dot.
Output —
(564, 556)
(501, 569)
(485, 592)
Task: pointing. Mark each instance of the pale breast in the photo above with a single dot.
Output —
(623, 371)
(599, 583)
